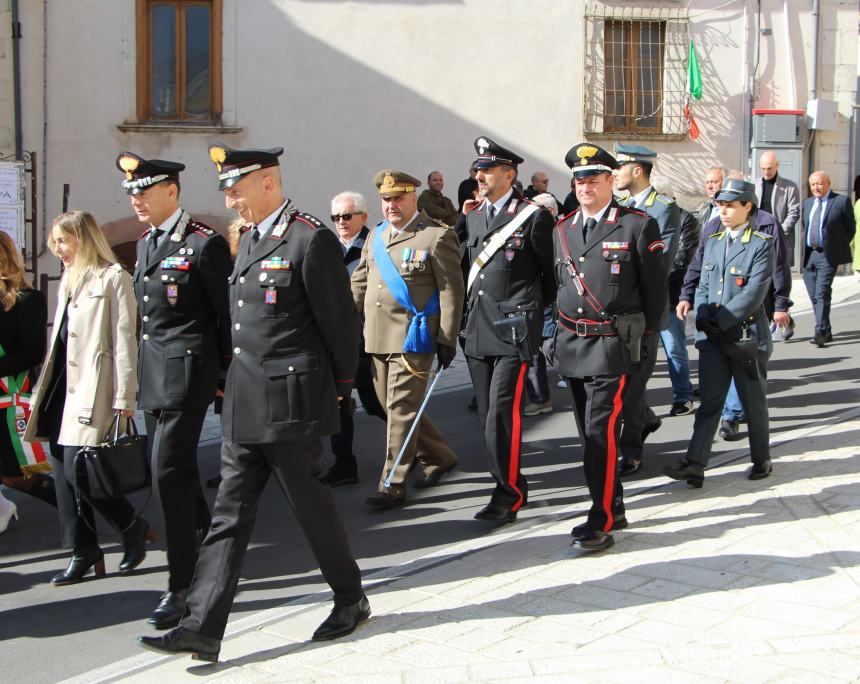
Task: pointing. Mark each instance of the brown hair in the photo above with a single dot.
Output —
(12, 278)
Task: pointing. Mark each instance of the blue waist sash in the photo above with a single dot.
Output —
(418, 339)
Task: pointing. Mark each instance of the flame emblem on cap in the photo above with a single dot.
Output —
(483, 145)
(388, 181)
(584, 152)
(129, 165)
(218, 155)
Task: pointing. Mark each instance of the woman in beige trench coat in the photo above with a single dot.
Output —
(88, 377)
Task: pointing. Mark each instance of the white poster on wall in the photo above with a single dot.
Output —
(12, 200)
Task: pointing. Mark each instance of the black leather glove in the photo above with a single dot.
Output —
(708, 326)
(445, 355)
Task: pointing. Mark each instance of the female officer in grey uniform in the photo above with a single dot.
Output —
(732, 336)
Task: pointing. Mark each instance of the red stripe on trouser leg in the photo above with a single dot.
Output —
(612, 455)
(516, 437)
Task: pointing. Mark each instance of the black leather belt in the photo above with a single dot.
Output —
(586, 328)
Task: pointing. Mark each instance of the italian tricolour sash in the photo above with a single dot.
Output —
(15, 397)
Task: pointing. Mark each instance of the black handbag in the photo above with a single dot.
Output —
(116, 467)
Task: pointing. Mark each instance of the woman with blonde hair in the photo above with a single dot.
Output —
(23, 314)
(89, 376)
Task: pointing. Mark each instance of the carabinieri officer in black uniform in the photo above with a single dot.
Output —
(180, 281)
(508, 259)
(611, 288)
(295, 351)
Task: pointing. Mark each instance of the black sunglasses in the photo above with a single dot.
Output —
(346, 217)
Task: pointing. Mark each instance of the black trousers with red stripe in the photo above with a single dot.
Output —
(499, 383)
(598, 402)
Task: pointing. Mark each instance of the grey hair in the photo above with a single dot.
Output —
(722, 169)
(548, 201)
(355, 198)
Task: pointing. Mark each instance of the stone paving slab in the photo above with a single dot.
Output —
(736, 582)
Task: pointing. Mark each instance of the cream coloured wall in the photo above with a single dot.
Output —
(352, 86)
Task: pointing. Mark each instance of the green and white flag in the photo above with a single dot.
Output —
(694, 76)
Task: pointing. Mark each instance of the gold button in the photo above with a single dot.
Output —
(480, 292)
(582, 258)
(146, 298)
(237, 350)
(146, 319)
(240, 303)
(241, 279)
(146, 279)
(145, 337)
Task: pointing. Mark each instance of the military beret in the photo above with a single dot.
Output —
(737, 189)
(586, 159)
(392, 182)
(142, 173)
(233, 164)
(634, 154)
(492, 154)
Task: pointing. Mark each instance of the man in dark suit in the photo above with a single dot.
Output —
(828, 228)
(180, 280)
(508, 257)
(295, 337)
(348, 214)
(611, 279)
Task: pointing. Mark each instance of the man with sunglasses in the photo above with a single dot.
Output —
(348, 215)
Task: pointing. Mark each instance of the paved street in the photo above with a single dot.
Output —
(739, 581)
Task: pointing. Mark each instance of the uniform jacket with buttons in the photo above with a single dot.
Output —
(734, 283)
(295, 334)
(517, 278)
(101, 358)
(763, 222)
(623, 270)
(427, 255)
(185, 317)
(668, 216)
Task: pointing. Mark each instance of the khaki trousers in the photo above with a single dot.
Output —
(401, 392)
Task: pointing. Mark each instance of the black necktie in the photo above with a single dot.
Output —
(255, 235)
(491, 214)
(589, 225)
(815, 226)
(152, 243)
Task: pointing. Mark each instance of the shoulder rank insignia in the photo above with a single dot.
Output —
(763, 236)
(718, 235)
(612, 216)
(311, 220)
(657, 244)
(201, 229)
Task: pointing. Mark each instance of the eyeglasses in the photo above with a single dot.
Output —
(346, 217)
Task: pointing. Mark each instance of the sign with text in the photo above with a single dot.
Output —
(12, 200)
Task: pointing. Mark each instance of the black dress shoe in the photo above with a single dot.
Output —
(497, 514)
(593, 541)
(170, 610)
(340, 474)
(82, 560)
(180, 640)
(213, 482)
(693, 473)
(651, 427)
(818, 340)
(630, 466)
(761, 470)
(134, 542)
(828, 336)
(729, 430)
(342, 621)
(382, 501)
(431, 480)
(582, 531)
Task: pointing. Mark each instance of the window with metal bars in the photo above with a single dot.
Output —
(635, 71)
(178, 60)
